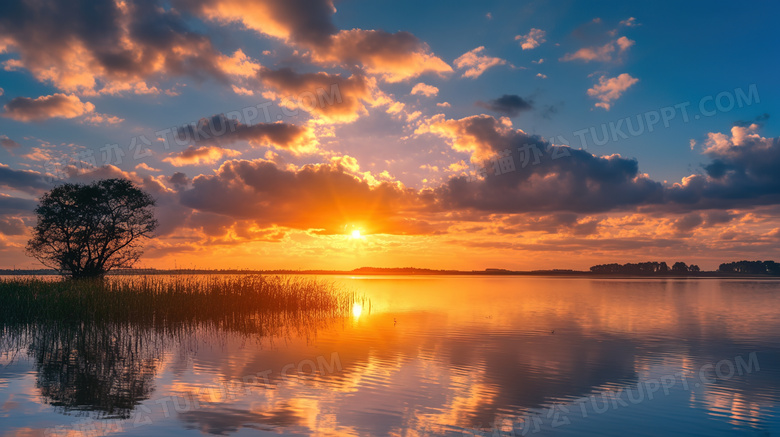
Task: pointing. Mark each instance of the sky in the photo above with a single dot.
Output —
(319, 134)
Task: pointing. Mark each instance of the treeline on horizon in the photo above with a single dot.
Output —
(681, 268)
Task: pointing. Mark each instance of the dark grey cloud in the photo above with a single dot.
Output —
(15, 205)
(509, 105)
(12, 226)
(758, 120)
(742, 173)
(45, 107)
(576, 182)
(23, 180)
(178, 179)
(8, 144)
(220, 130)
(541, 177)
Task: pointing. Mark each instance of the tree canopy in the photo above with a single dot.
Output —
(85, 230)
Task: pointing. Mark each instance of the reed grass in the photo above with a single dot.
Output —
(97, 344)
(222, 300)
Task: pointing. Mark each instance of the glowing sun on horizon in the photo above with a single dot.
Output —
(356, 234)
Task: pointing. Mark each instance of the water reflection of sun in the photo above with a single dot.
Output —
(357, 309)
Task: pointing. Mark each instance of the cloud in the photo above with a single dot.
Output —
(308, 24)
(605, 53)
(299, 21)
(8, 144)
(393, 56)
(624, 43)
(256, 197)
(331, 98)
(425, 90)
(479, 135)
(45, 107)
(219, 130)
(178, 178)
(610, 89)
(759, 121)
(553, 178)
(144, 166)
(97, 118)
(23, 180)
(541, 76)
(108, 47)
(15, 205)
(509, 105)
(532, 39)
(630, 22)
(200, 155)
(742, 172)
(475, 63)
(12, 226)
(326, 197)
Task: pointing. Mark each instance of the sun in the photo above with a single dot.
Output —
(356, 234)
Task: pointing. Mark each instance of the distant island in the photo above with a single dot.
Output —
(644, 269)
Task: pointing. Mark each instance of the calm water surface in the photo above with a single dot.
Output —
(428, 356)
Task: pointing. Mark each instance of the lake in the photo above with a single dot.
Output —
(423, 355)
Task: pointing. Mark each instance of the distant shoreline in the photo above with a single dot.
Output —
(368, 271)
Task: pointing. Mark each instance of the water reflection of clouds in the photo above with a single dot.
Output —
(459, 360)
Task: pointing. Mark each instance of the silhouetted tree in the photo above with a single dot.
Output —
(85, 230)
(751, 267)
(693, 268)
(679, 267)
(645, 268)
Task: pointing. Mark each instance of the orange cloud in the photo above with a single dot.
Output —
(425, 90)
(324, 197)
(97, 118)
(479, 135)
(330, 97)
(200, 155)
(603, 53)
(610, 89)
(133, 45)
(532, 39)
(45, 107)
(392, 56)
(475, 63)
